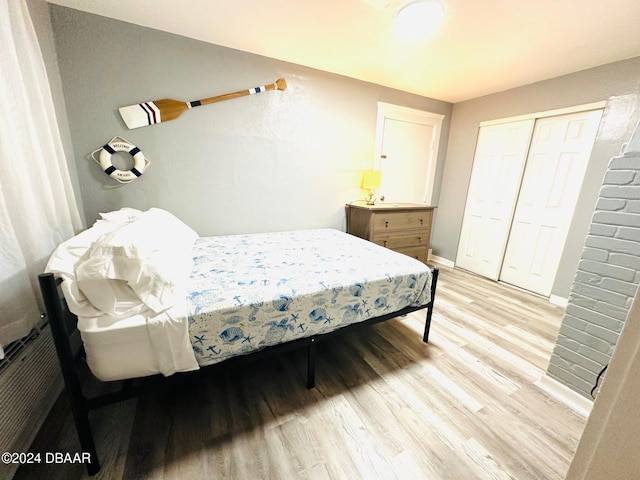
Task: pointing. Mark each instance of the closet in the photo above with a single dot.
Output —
(526, 178)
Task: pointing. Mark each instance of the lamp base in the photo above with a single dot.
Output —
(371, 199)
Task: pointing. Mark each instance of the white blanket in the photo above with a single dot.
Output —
(133, 262)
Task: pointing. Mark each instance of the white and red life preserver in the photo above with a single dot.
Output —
(118, 144)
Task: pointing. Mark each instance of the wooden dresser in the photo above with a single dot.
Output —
(403, 227)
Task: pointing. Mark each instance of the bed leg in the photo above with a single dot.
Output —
(427, 323)
(311, 364)
(66, 358)
(86, 440)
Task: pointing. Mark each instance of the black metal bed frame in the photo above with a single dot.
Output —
(63, 329)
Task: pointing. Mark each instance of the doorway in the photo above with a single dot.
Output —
(525, 183)
(407, 153)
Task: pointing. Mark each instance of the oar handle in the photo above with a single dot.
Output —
(279, 84)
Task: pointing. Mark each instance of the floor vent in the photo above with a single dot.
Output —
(30, 382)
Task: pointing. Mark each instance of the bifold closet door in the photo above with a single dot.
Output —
(557, 161)
(498, 165)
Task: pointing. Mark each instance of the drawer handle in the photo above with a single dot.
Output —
(384, 243)
(419, 239)
(386, 224)
(420, 222)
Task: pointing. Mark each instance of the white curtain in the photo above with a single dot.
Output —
(37, 206)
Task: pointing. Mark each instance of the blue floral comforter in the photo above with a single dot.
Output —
(252, 291)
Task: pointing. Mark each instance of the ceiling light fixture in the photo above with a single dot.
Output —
(419, 19)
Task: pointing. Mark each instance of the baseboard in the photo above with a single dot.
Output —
(559, 301)
(576, 402)
(442, 261)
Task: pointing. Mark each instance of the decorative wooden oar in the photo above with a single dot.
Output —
(148, 113)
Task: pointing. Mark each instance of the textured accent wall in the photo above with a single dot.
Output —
(606, 281)
(270, 162)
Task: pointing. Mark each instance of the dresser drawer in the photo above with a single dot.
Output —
(400, 240)
(389, 221)
(419, 253)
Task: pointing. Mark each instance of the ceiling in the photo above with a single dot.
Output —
(482, 47)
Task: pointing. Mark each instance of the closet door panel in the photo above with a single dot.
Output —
(558, 158)
(497, 171)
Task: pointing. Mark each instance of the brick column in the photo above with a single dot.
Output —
(607, 277)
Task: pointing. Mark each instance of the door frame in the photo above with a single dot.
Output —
(548, 113)
(412, 115)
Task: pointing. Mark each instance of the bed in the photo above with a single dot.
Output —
(149, 298)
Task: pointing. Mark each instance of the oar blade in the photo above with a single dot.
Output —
(140, 115)
(150, 113)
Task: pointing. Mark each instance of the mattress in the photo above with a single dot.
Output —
(247, 292)
(118, 348)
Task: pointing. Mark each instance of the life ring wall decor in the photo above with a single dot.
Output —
(102, 156)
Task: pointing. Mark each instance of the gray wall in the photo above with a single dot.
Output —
(618, 83)
(273, 161)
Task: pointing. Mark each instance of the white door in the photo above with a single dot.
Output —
(498, 164)
(407, 152)
(557, 161)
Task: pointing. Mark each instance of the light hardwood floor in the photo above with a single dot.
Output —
(385, 405)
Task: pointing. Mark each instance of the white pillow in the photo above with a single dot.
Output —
(150, 256)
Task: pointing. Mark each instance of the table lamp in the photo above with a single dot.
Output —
(371, 183)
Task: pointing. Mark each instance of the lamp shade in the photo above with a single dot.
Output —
(371, 180)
